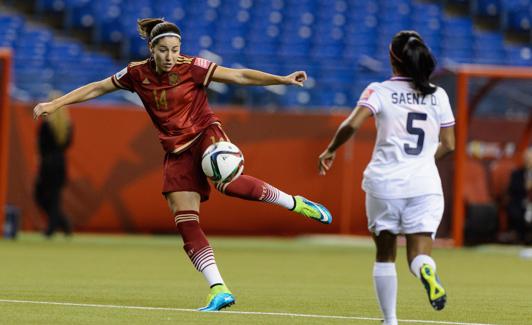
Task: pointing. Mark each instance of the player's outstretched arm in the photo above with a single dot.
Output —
(345, 131)
(81, 94)
(249, 77)
(447, 142)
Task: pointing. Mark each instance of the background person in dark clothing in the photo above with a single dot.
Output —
(54, 137)
(520, 204)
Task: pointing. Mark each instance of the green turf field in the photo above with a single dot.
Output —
(275, 281)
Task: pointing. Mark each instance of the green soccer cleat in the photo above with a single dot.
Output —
(435, 291)
(312, 210)
(219, 298)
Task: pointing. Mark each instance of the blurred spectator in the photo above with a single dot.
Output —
(520, 204)
(54, 138)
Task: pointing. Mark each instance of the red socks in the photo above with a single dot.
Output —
(248, 188)
(196, 244)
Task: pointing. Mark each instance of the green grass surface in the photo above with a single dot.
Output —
(300, 276)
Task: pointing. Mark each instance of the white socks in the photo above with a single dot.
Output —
(273, 195)
(212, 275)
(285, 200)
(417, 263)
(385, 282)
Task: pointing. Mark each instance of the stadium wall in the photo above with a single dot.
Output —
(115, 172)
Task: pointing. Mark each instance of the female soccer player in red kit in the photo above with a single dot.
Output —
(172, 88)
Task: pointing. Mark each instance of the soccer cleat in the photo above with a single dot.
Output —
(435, 291)
(312, 210)
(219, 298)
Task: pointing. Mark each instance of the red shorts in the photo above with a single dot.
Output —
(182, 171)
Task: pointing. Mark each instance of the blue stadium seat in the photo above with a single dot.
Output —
(174, 11)
(326, 51)
(11, 22)
(79, 14)
(486, 8)
(42, 6)
(42, 62)
(107, 27)
(336, 73)
(296, 97)
(342, 44)
(135, 48)
(457, 55)
(488, 48)
(518, 55)
(289, 66)
(293, 51)
(261, 48)
(516, 16)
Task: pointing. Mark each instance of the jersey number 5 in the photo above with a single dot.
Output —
(415, 131)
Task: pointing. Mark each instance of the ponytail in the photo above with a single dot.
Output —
(419, 64)
(149, 28)
(145, 26)
(412, 57)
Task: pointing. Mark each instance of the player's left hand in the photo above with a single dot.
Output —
(296, 78)
(325, 161)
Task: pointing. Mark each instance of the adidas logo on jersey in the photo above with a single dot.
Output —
(145, 81)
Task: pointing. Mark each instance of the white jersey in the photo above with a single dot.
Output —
(408, 129)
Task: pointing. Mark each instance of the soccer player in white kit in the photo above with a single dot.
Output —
(403, 188)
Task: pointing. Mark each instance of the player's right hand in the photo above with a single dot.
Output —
(296, 78)
(42, 109)
(325, 161)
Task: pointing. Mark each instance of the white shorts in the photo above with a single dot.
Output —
(405, 216)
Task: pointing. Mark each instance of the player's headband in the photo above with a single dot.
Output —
(164, 35)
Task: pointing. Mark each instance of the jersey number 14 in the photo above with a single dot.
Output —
(411, 117)
(160, 101)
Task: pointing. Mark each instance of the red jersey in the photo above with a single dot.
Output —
(176, 100)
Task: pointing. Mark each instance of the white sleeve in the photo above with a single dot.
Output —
(370, 99)
(446, 113)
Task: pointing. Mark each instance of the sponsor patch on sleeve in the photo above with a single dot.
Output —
(203, 63)
(366, 94)
(121, 73)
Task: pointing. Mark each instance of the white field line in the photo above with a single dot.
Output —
(231, 312)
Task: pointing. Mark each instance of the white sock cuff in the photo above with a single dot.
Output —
(384, 269)
(212, 275)
(417, 263)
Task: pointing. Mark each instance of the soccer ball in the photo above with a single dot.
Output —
(222, 162)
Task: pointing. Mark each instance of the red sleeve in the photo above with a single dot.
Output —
(202, 71)
(122, 79)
